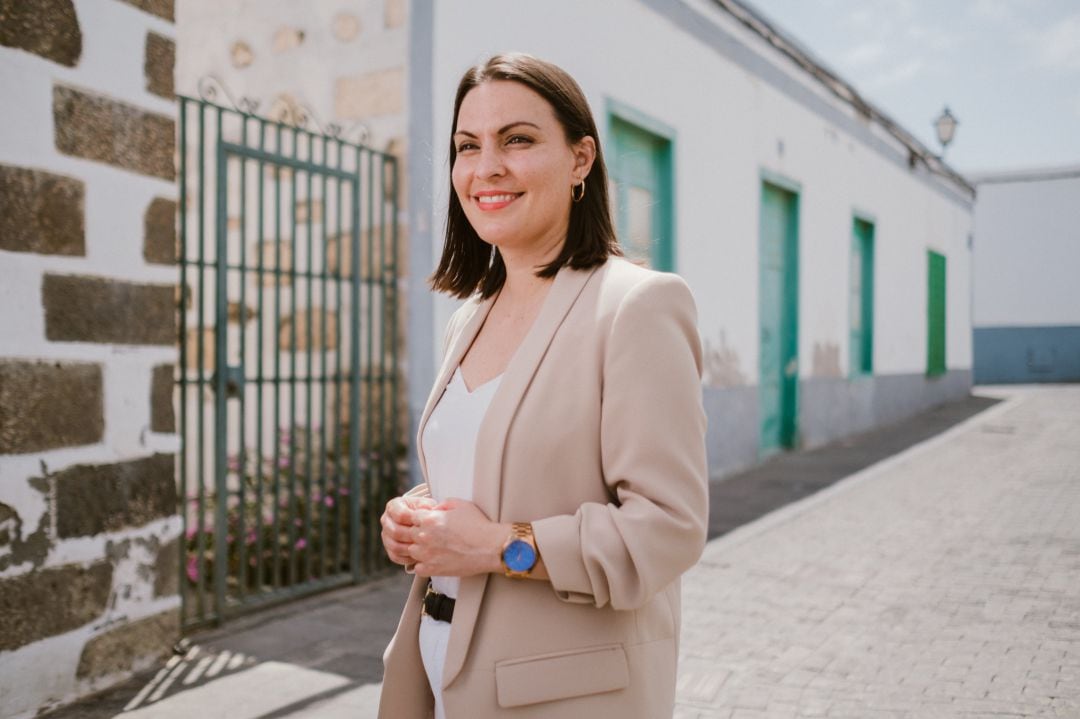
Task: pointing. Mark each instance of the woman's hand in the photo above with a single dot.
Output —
(455, 539)
(397, 521)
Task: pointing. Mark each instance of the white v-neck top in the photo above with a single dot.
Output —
(450, 447)
(449, 442)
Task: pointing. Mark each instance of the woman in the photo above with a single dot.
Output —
(563, 441)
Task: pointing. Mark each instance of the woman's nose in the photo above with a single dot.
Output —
(490, 163)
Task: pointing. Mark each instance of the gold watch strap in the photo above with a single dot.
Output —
(519, 531)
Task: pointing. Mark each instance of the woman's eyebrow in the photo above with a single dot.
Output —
(502, 129)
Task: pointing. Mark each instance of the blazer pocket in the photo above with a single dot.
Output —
(561, 675)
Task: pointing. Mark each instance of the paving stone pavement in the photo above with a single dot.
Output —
(943, 582)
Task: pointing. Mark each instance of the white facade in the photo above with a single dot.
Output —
(739, 112)
(1027, 254)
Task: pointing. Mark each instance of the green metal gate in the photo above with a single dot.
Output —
(288, 385)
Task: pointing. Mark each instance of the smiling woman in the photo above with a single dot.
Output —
(563, 441)
(513, 177)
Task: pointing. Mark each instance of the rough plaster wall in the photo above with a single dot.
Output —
(343, 61)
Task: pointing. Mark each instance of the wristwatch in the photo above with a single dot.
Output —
(519, 554)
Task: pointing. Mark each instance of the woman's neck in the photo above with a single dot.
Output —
(522, 284)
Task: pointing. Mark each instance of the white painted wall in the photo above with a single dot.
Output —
(1027, 249)
(113, 35)
(729, 125)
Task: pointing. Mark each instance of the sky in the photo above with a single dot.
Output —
(1009, 70)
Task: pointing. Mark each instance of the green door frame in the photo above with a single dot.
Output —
(630, 133)
(861, 345)
(778, 305)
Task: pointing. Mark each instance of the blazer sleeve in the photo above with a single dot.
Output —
(652, 438)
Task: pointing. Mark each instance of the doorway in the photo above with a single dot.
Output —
(779, 320)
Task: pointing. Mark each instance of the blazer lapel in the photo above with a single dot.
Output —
(450, 362)
(491, 441)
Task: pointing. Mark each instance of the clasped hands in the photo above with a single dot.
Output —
(453, 538)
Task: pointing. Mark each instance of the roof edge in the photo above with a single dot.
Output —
(842, 89)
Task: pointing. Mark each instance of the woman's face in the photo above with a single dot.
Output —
(514, 168)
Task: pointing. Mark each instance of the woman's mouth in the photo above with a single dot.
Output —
(495, 201)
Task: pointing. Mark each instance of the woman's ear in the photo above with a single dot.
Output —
(584, 155)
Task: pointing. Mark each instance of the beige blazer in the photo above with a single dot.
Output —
(596, 435)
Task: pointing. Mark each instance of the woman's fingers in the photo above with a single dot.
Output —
(397, 551)
(398, 531)
(399, 510)
(420, 502)
(396, 534)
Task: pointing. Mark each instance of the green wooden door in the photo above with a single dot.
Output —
(935, 313)
(778, 310)
(861, 340)
(641, 176)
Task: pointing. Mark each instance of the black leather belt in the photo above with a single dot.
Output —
(438, 606)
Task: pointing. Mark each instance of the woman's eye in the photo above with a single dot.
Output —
(466, 146)
(519, 140)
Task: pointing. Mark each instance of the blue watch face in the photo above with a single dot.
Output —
(519, 556)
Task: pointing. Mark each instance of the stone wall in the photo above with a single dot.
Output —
(88, 504)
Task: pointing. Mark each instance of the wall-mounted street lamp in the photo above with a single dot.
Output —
(946, 128)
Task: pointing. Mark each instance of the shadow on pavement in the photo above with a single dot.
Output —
(785, 478)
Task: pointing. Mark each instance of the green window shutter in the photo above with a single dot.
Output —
(935, 314)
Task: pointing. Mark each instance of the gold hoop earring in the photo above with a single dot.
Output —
(574, 195)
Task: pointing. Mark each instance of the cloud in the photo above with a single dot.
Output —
(928, 36)
(1002, 11)
(1058, 46)
(866, 53)
(897, 74)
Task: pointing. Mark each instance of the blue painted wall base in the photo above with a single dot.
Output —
(1005, 355)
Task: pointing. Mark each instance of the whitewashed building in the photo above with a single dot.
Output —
(1027, 255)
(828, 250)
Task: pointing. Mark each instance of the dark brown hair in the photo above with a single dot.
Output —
(469, 264)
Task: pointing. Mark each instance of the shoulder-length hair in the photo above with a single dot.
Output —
(468, 264)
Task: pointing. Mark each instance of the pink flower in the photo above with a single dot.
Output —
(190, 533)
(301, 543)
(193, 569)
(328, 500)
(251, 538)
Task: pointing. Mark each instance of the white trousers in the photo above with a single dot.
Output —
(434, 636)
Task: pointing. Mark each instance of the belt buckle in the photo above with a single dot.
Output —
(423, 600)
